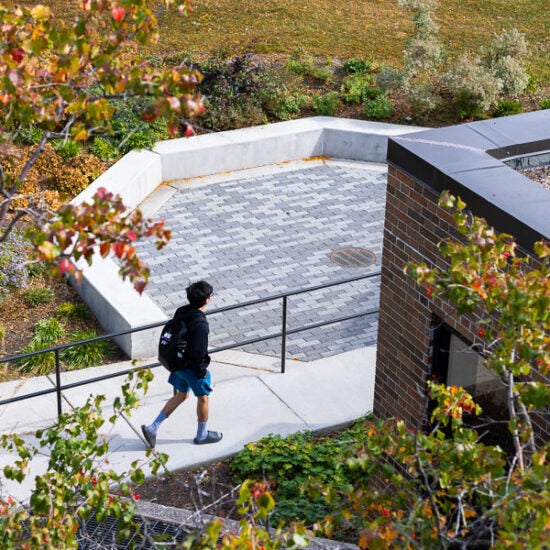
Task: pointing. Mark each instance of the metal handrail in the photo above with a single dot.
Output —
(285, 331)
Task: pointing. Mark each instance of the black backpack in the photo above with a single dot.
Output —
(172, 344)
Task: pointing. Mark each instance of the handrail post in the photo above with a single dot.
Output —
(283, 335)
(58, 383)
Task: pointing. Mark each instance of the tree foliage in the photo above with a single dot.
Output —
(80, 484)
(445, 488)
(428, 490)
(78, 481)
(60, 77)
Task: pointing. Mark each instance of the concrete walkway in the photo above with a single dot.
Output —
(251, 399)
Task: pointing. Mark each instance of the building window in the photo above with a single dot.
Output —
(457, 363)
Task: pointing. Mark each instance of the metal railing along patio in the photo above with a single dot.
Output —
(283, 334)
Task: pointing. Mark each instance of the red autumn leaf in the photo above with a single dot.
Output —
(131, 235)
(102, 194)
(118, 13)
(139, 285)
(119, 249)
(104, 249)
(65, 265)
(17, 54)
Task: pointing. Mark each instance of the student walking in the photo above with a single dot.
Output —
(195, 375)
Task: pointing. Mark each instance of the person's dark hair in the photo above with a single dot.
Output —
(198, 293)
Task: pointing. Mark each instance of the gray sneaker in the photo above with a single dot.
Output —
(149, 437)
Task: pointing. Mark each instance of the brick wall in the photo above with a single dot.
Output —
(414, 226)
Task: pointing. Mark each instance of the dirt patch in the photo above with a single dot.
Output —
(210, 489)
(19, 320)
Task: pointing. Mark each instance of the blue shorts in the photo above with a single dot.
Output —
(187, 379)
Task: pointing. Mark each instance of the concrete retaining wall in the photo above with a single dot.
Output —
(138, 174)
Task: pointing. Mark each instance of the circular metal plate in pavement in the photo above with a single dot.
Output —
(352, 256)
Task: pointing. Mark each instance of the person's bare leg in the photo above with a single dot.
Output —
(174, 402)
(203, 435)
(202, 408)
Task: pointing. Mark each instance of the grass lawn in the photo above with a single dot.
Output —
(355, 28)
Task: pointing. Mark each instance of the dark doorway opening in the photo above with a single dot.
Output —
(456, 362)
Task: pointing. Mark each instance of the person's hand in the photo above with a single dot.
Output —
(203, 371)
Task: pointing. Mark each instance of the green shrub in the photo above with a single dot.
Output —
(545, 103)
(505, 59)
(390, 79)
(326, 104)
(295, 466)
(88, 354)
(38, 296)
(305, 65)
(476, 81)
(70, 310)
(130, 131)
(105, 149)
(48, 331)
(37, 269)
(288, 464)
(379, 107)
(358, 88)
(506, 108)
(66, 149)
(37, 365)
(479, 81)
(288, 106)
(475, 89)
(533, 85)
(30, 136)
(46, 334)
(280, 99)
(357, 66)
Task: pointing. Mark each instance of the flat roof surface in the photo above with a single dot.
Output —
(260, 232)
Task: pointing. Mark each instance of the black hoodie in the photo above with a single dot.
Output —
(196, 351)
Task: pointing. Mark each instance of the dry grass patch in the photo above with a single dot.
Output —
(357, 28)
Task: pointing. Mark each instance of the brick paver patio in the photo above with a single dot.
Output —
(257, 233)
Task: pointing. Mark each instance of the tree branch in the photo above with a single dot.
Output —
(11, 225)
(433, 504)
(30, 163)
(513, 418)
